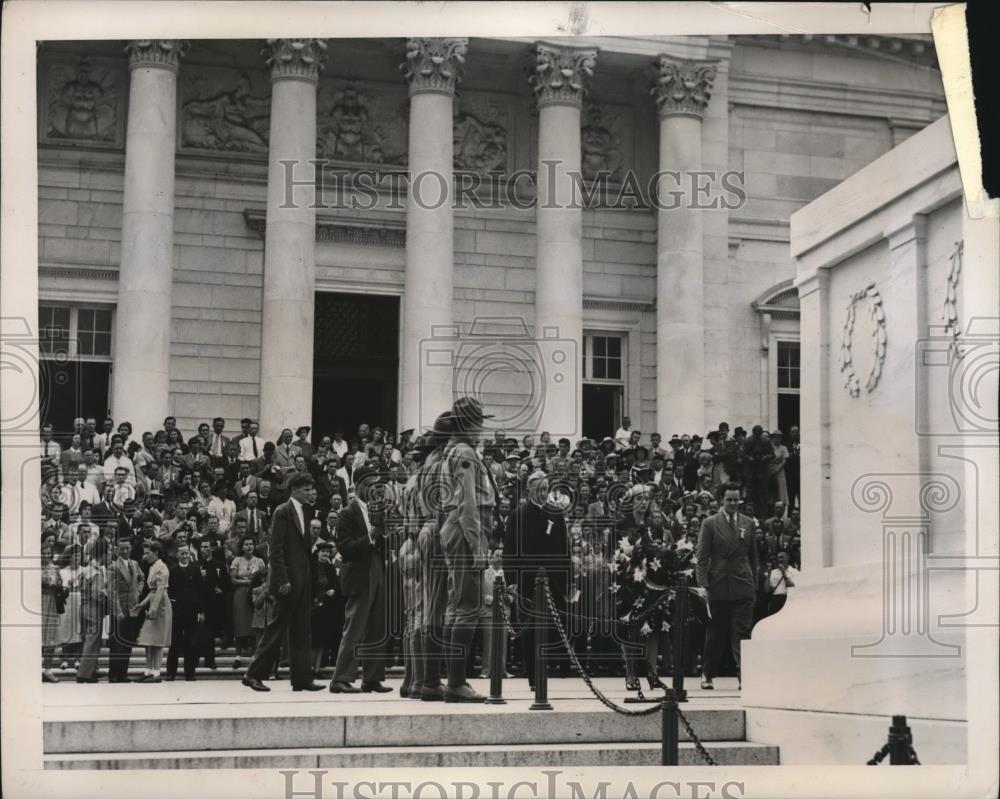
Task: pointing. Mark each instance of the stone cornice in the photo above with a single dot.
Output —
(156, 53)
(915, 49)
(835, 97)
(781, 301)
(561, 74)
(73, 270)
(618, 304)
(683, 87)
(295, 59)
(384, 233)
(434, 64)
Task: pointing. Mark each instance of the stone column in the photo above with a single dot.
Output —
(145, 276)
(286, 357)
(433, 68)
(559, 83)
(681, 91)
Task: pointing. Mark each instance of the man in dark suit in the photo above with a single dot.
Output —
(727, 565)
(255, 518)
(215, 583)
(536, 538)
(185, 592)
(361, 543)
(291, 586)
(125, 582)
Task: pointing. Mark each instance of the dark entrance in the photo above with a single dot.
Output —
(602, 408)
(355, 363)
(68, 389)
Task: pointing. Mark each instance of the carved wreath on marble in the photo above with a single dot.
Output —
(851, 381)
(950, 313)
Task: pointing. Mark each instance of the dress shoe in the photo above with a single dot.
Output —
(404, 691)
(192, 678)
(432, 693)
(169, 678)
(706, 684)
(253, 682)
(343, 688)
(375, 688)
(655, 684)
(117, 679)
(463, 693)
(310, 687)
(86, 679)
(48, 676)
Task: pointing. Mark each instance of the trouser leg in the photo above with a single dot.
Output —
(742, 623)
(715, 636)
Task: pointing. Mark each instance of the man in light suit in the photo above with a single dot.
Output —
(125, 581)
(361, 543)
(291, 587)
(727, 568)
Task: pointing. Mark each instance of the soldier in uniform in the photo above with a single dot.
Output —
(471, 496)
(422, 504)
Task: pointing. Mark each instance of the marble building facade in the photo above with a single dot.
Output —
(189, 285)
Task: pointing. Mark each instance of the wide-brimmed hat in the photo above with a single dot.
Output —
(305, 427)
(468, 411)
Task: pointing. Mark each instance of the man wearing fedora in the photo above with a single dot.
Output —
(469, 517)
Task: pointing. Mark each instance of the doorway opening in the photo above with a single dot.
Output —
(355, 363)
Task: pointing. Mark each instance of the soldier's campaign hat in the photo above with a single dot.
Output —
(468, 411)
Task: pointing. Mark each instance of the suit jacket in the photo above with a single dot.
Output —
(125, 581)
(214, 574)
(356, 550)
(261, 526)
(727, 564)
(185, 589)
(536, 537)
(290, 550)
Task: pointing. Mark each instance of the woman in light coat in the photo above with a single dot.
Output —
(157, 626)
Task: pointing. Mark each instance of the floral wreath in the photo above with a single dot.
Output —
(647, 576)
(851, 382)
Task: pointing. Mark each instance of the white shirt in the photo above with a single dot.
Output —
(340, 447)
(779, 586)
(123, 462)
(246, 448)
(368, 524)
(215, 444)
(298, 511)
(622, 437)
(51, 449)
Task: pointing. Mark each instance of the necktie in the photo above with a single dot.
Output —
(253, 440)
(253, 523)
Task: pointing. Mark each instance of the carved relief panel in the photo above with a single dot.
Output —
(82, 99)
(224, 111)
(483, 133)
(361, 123)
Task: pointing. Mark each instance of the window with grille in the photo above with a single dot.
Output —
(603, 357)
(788, 366)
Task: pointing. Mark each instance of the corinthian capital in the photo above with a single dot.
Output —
(434, 65)
(295, 58)
(561, 74)
(162, 53)
(683, 87)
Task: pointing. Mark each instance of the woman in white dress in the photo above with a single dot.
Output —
(779, 486)
(70, 621)
(155, 632)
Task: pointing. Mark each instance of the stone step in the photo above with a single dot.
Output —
(437, 756)
(346, 722)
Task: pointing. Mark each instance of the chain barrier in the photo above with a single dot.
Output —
(695, 739)
(514, 634)
(579, 667)
(879, 756)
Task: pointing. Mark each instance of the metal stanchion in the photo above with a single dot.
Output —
(670, 741)
(497, 633)
(900, 742)
(541, 671)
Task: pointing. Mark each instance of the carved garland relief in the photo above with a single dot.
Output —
(83, 101)
(851, 381)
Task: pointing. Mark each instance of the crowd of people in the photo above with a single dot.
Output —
(354, 551)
